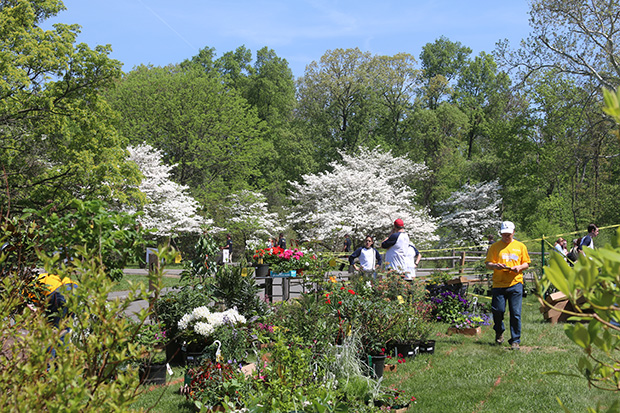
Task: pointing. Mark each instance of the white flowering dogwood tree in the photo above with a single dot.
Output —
(362, 194)
(246, 214)
(168, 208)
(470, 214)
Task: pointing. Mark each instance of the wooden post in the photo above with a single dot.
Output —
(542, 254)
(461, 270)
(453, 260)
(153, 269)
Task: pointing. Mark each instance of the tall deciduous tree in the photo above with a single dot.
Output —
(362, 194)
(576, 43)
(394, 80)
(206, 129)
(55, 132)
(578, 38)
(333, 100)
(168, 208)
(441, 62)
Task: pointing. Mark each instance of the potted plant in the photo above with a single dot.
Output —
(151, 339)
(469, 324)
(212, 385)
(392, 361)
(198, 327)
(412, 328)
(394, 399)
(173, 305)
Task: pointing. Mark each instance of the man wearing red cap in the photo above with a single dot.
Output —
(397, 245)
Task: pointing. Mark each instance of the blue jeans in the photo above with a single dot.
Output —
(514, 295)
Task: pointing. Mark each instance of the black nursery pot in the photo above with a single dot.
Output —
(427, 347)
(153, 374)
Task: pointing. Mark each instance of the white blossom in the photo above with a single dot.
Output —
(247, 212)
(168, 208)
(362, 194)
(470, 214)
(205, 322)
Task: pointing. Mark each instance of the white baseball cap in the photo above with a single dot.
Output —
(507, 228)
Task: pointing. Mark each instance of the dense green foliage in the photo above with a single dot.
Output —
(57, 139)
(527, 117)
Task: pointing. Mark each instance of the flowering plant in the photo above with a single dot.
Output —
(284, 260)
(393, 398)
(200, 324)
(214, 383)
(373, 317)
(471, 320)
(398, 359)
(151, 336)
(448, 306)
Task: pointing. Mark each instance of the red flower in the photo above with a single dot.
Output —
(339, 302)
(352, 292)
(328, 301)
(341, 288)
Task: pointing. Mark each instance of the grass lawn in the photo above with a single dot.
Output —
(142, 280)
(469, 374)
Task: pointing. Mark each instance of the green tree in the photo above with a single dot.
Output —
(394, 80)
(205, 128)
(483, 94)
(56, 133)
(333, 101)
(442, 62)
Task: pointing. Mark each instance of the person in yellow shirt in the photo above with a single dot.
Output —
(54, 287)
(508, 258)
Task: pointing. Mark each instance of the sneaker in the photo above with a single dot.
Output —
(515, 346)
(499, 339)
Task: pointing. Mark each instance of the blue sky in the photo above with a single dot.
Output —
(161, 32)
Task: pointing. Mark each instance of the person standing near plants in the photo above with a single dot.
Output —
(588, 240)
(369, 258)
(397, 245)
(227, 249)
(508, 258)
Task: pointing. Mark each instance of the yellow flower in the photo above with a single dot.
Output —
(332, 279)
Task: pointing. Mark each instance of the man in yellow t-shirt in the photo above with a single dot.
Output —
(55, 299)
(508, 258)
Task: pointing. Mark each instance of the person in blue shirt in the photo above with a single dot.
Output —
(588, 240)
(369, 258)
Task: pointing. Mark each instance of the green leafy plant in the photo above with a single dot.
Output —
(235, 289)
(114, 237)
(200, 265)
(215, 383)
(392, 398)
(92, 350)
(448, 306)
(593, 288)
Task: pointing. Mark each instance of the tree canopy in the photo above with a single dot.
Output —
(58, 142)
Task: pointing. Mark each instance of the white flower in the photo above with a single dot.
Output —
(185, 320)
(204, 329)
(205, 322)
